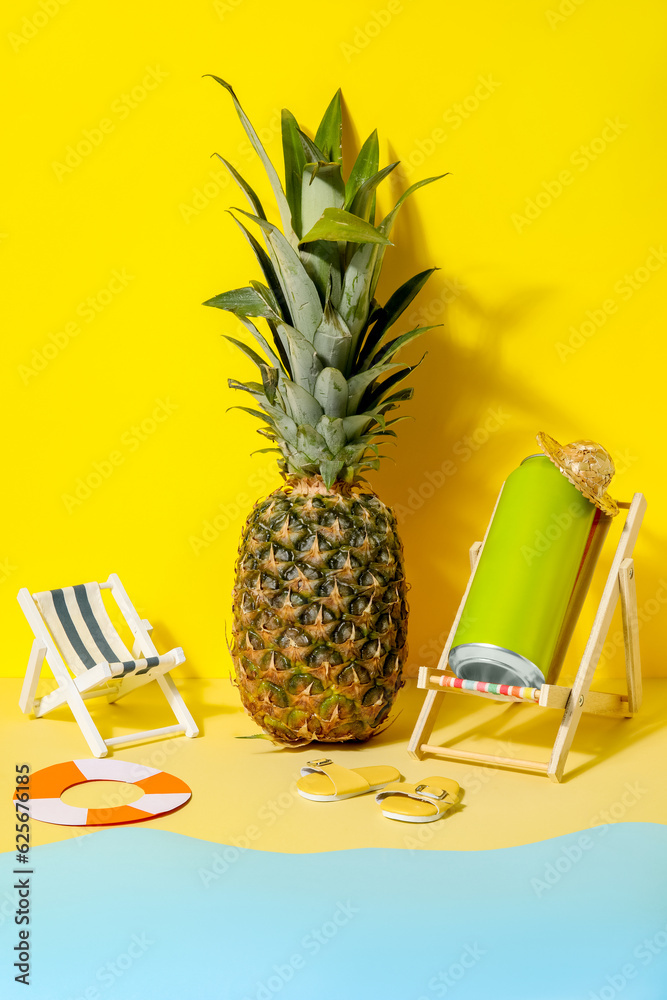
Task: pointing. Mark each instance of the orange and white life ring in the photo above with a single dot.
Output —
(162, 792)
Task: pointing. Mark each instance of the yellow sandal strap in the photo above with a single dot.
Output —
(442, 795)
(344, 781)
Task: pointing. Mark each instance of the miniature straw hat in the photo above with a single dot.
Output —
(587, 465)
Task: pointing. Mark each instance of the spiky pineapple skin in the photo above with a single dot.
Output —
(319, 613)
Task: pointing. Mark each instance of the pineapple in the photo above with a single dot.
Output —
(319, 602)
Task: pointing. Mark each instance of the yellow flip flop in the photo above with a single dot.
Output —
(421, 803)
(324, 781)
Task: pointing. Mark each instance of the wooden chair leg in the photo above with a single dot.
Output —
(90, 731)
(603, 618)
(633, 671)
(564, 738)
(31, 679)
(431, 706)
(178, 706)
(582, 682)
(55, 699)
(425, 723)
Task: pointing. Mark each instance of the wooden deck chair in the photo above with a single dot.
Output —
(88, 659)
(572, 701)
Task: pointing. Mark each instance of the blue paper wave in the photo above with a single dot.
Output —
(132, 913)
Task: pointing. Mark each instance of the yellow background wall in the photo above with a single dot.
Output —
(548, 233)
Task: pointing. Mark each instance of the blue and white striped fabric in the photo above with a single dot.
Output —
(80, 625)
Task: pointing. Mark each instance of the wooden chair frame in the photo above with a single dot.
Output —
(99, 680)
(572, 701)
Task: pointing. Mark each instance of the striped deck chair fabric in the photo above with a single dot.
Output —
(81, 628)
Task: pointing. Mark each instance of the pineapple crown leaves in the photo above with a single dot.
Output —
(327, 367)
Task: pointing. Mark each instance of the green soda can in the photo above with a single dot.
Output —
(524, 579)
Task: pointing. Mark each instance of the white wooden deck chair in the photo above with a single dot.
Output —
(88, 659)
